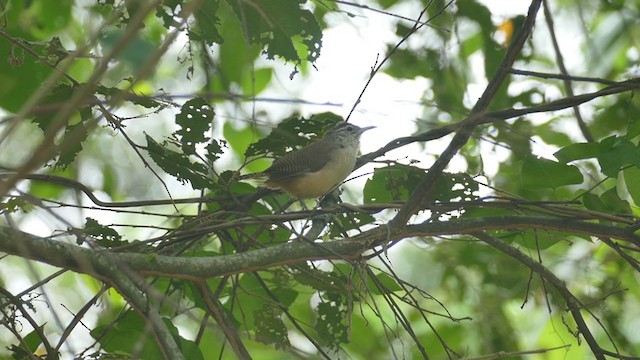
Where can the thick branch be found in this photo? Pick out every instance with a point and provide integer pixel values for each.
(89, 261)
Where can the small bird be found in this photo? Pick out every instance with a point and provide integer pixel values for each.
(318, 168)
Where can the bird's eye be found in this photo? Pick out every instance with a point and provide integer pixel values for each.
(350, 128)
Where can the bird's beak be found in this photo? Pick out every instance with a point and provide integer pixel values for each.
(363, 129)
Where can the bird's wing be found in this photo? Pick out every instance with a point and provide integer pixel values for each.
(305, 160)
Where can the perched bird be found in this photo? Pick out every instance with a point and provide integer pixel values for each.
(318, 168)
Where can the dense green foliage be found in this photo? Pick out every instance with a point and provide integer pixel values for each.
(502, 222)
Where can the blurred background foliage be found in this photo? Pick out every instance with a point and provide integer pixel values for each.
(146, 101)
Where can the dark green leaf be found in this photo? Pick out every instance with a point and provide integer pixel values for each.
(349, 221)
(52, 102)
(608, 202)
(543, 239)
(277, 24)
(613, 202)
(321, 280)
(190, 349)
(74, 136)
(103, 235)
(634, 129)
(195, 120)
(207, 28)
(214, 150)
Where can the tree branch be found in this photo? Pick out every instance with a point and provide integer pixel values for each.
(80, 259)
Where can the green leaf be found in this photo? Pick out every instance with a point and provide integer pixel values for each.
(577, 151)
(541, 239)
(632, 181)
(616, 153)
(54, 100)
(178, 165)
(397, 183)
(33, 340)
(207, 23)
(332, 318)
(14, 204)
(615, 204)
(103, 235)
(634, 129)
(348, 221)
(321, 280)
(238, 139)
(128, 335)
(195, 120)
(593, 202)
(254, 82)
(609, 202)
(276, 24)
(387, 282)
(190, 349)
(292, 133)
(538, 173)
(270, 328)
(74, 136)
(214, 150)
(22, 74)
(70, 143)
(137, 52)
